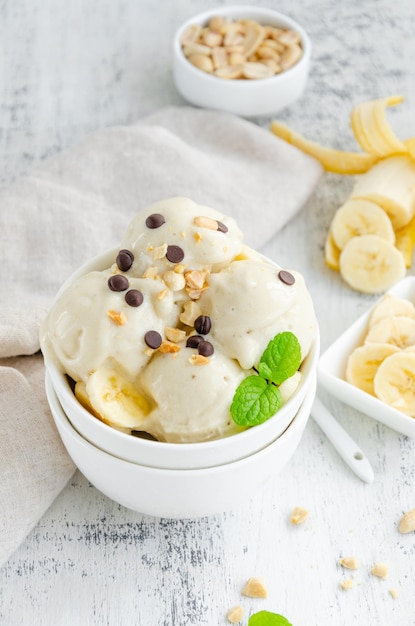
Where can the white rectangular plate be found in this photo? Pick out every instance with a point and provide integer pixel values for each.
(332, 367)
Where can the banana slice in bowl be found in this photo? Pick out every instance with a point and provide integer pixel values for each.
(371, 366)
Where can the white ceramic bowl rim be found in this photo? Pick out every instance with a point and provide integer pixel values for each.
(248, 11)
(61, 382)
(295, 425)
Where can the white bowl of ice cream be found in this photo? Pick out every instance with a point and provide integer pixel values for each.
(246, 73)
(180, 493)
(185, 275)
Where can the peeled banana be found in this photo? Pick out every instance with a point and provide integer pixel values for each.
(386, 181)
(390, 184)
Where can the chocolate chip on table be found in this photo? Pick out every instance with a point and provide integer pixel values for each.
(222, 228)
(203, 324)
(174, 254)
(124, 260)
(286, 277)
(133, 297)
(117, 282)
(155, 220)
(205, 348)
(193, 341)
(153, 339)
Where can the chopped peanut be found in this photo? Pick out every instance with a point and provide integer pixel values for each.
(255, 588)
(118, 317)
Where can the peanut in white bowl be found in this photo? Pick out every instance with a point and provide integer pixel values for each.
(173, 493)
(247, 98)
(178, 456)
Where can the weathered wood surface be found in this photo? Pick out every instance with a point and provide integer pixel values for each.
(68, 68)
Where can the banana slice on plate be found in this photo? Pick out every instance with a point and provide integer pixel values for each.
(391, 185)
(117, 400)
(370, 264)
(398, 331)
(394, 382)
(360, 217)
(363, 364)
(391, 306)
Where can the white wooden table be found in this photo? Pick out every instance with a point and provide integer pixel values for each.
(68, 68)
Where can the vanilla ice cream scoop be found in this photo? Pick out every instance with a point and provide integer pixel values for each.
(250, 302)
(93, 326)
(180, 231)
(192, 401)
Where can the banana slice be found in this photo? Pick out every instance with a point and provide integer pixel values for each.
(370, 264)
(117, 401)
(289, 385)
(360, 217)
(363, 364)
(371, 128)
(331, 252)
(391, 306)
(394, 382)
(390, 184)
(398, 331)
(332, 160)
(405, 241)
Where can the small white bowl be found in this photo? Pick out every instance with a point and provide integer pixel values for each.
(173, 455)
(332, 367)
(179, 493)
(248, 98)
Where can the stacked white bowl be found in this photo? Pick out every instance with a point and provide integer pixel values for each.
(177, 480)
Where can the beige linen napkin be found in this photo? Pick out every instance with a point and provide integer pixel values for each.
(78, 204)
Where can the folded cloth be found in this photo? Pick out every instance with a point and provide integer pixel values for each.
(76, 205)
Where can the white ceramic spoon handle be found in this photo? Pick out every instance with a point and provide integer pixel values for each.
(342, 442)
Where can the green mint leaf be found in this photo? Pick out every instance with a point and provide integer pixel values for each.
(255, 401)
(281, 358)
(265, 618)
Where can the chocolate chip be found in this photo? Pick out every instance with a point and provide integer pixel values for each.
(193, 341)
(124, 260)
(174, 254)
(155, 220)
(203, 324)
(143, 435)
(286, 277)
(133, 297)
(153, 339)
(222, 228)
(117, 282)
(205, 348)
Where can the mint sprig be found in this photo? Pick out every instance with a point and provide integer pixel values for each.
(257, 398)
(265, 618)
(281, 358)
